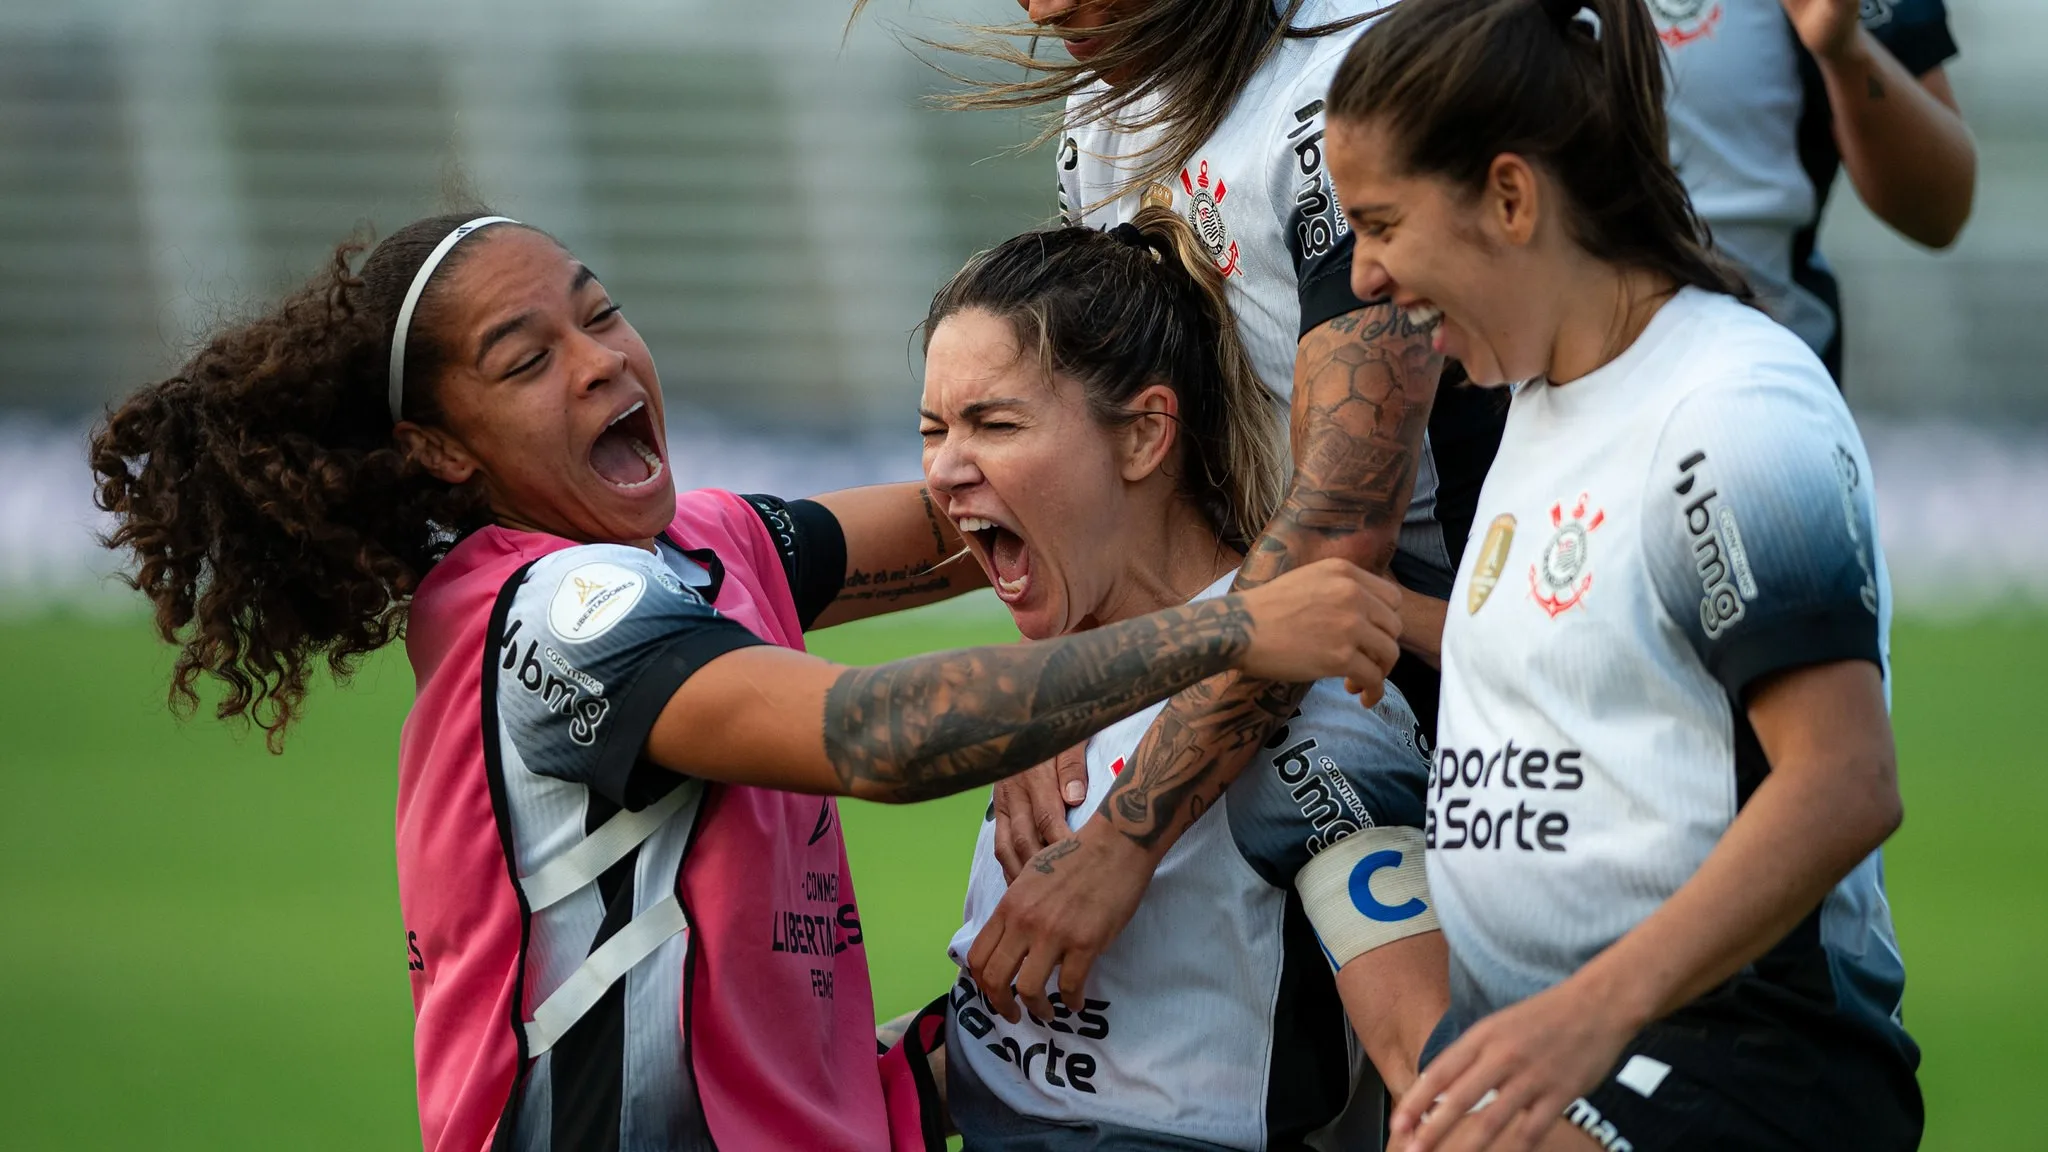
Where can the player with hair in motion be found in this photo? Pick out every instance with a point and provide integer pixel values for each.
(1085, 386)
(1666, 761)
(1214, 109)
(629, 919)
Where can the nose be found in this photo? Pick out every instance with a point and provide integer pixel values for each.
(1369, 279)
(1045, 11)
(950, 467)
(593, 363)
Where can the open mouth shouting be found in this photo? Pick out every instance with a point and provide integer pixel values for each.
(1003, 554)
(624, 454)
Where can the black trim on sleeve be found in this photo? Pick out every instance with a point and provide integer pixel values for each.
(1920, 45)
(617, 776)
(1819, 636)
(1326, 286)
(812, 545)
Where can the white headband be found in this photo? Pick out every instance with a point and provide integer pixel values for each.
(412, 299)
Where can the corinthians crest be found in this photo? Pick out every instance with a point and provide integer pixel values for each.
(1680, 22)
(1560, 576)
(1205, 215)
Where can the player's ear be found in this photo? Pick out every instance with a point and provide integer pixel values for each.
(1512, 200)
(1148, 438)
(443, 456)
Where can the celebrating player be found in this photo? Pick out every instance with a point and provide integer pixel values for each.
(1215, 109)
(626, 928)
(1666, 761)
(1084, 387)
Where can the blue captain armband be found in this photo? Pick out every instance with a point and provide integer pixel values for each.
(1367, 891)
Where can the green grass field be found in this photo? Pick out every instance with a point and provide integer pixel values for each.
(200, 944)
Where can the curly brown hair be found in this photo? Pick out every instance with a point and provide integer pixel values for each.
(272, 518)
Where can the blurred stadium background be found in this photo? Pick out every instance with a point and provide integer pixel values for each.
(199, 944)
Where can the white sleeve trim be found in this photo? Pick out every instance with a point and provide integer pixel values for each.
(1367, 891)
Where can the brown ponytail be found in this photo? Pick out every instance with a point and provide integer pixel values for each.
(1574, 86)
(1120, 311)
(272, 520)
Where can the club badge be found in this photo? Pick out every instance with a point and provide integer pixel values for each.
(1680, 22)
(1205, 215)
(1493, 556)
(1560, 576)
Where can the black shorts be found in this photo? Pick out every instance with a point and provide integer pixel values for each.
(1751, 1067)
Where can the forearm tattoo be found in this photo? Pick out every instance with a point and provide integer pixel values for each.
(1364, 383)
(925, 578)
(934, 725)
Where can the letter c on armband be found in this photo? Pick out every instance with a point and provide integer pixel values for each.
(1368, 904)
(1367, 891)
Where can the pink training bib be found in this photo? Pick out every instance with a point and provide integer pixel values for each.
(776, 1013)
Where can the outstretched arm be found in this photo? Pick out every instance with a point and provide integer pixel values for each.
(1364, 382)
(897, 552)
(933, 725)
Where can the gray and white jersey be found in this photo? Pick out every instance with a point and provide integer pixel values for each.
(1751, 137)
(1660, 534)
(1213, 1020)
(592, 642)
(1259, 195)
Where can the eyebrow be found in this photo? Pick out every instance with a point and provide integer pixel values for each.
(975, 410)
(1367, 209)
(499, 332)
(982, 407)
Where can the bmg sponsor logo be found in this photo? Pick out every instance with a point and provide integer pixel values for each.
(1529, 824)
(561, 687)
(1726, 583)
(1315, 783)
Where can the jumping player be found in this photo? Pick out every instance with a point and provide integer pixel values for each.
(629, 919)
(1083, 386)
(1666, 764)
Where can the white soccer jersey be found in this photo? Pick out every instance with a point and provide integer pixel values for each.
(1259, 196)
(1659, 535)
(1213, 1020)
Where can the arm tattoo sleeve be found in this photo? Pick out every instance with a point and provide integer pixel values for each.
(1364, 383)
(933, 725)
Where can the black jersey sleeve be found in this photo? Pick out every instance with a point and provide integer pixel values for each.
(592, 644)
(812, 545)
(1760, 529)
(1318, 239)
(1333, 770)
(1915, 31)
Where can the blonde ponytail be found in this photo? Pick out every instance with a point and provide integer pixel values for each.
(1250, 458)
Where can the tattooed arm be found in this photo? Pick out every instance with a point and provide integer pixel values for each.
(933, 725)
(897, 548)
(1364, 382)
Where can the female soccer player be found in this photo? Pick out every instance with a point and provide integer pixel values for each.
(1214, 108)
(627, 926)
(1084, 387)
(1666, 762)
